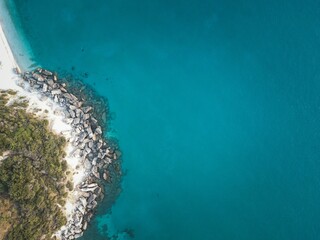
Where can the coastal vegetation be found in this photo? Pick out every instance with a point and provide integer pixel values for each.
(33, 181)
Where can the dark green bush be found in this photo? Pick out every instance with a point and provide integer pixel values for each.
(32, 176)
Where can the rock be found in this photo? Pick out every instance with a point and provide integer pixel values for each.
(107, 160)
(98, 130)
(99, 145)
(38, 77)
(91, 185)
(89, 131)
(79, 104)
(72, 114)
(76, 121)
(79, 113)
(56, 92)
(94, 169)
(87, 164)
(105, 176)
(67, 95)
(85, 224)
(46, 72)
(96, 174)
(94, 204)
(78, 235)
(98, 191)
(88, 150)
(88, 189)
(87, 109)
(81, 208)
(72, 107)
(50, 82)
(95, 121)
(73, 97)
(91, 198)
(86, 194)
(63, 89)
(86, 116)
(37, 86)
(94, 137)
(45, 88)
(43, 98)
(89, 216)
(83, 201)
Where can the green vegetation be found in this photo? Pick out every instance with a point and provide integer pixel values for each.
(7, 217)
(32, 175)
(69, 186)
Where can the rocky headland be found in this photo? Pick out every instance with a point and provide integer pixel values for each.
(89, 147)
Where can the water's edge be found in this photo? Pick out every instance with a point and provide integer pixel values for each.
(16, 36)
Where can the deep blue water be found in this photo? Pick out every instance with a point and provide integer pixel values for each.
(216, 105)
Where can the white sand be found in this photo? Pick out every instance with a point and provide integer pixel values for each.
(48, 109)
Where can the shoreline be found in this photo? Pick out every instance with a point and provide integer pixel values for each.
(19, 46)
(9, 79)
(88, 164)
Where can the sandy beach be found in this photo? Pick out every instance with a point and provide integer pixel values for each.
(9, 79)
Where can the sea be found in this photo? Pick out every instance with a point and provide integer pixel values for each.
(215, 105)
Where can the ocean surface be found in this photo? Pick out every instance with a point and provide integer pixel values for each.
(216, 105)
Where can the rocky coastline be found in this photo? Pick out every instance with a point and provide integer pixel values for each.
(89, 144)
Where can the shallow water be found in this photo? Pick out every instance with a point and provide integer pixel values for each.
(216, 106)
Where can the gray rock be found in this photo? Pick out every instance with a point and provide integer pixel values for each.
(98, 191)
(45, 88)
(67, 95)
(72, 114)
(86, 116)
(85, 224)
(83, 201)
(95, 121)
(73, 97)
(98, 130)
(99, 144)
(56, 92)
(63, 89)
(105, 176)
(38, 77)
(79, 113)
(46, 72)
(87, 164)
(50, 82)
(87, 109)
(94, 137)
(76, 121)
(94, 204)
(81, 209)
(78, 235)
(94, 169)
(89, 131)
(37, 86)
(88, 150)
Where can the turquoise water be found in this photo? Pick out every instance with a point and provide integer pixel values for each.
(216, 106)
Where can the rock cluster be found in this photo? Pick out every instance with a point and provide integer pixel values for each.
(89, 144)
